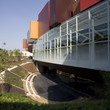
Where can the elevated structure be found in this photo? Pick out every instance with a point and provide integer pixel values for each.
(82, 41)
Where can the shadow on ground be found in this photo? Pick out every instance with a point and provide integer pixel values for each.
(51, 89)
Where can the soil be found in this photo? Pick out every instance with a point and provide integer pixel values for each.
(15, 62)
(30, 67)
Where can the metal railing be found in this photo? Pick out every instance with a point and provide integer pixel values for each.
(82, 41)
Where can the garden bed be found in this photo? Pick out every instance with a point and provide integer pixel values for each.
(11, 79)
(18, 71)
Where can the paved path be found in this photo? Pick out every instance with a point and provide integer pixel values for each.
(9, 69)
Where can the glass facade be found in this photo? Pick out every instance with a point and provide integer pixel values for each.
(83, 40)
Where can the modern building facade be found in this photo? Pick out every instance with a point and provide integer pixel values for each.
(76, 37)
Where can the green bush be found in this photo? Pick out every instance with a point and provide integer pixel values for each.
(106, 77)
(11, 54)
(3, 59)
(2, 67)
(18, 54)
(12, 101)
(14, 97)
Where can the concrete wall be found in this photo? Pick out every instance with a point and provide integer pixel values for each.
(5, 87)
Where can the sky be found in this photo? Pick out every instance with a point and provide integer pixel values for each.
(15, 17)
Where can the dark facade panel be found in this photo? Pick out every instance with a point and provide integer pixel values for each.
(30, 47)
(60, 11)
(52, 12)
(44, 19)
(76, 7)
(87, 3)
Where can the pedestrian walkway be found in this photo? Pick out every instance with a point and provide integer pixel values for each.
(9, 69)
(27, 83)
(29, 88)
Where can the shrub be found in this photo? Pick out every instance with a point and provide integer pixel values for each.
(13, 101)
(11, 54)
(3, 59)
(106, 77)
(18, 54)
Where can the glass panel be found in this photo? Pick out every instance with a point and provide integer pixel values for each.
(48, 45)
(101, 52)
(72, 25)
(63, 41)
(55, 53)
(52, 54)
(64, 53)
(73, 39)
(83, 52)
(101, 32)
(69, 56)
(68, 40)
(63, 29)
(73, 53)
(83, 36)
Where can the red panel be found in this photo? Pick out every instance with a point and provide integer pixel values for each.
(24, 43)
(87, 3)
(44, 19)
(60, 11)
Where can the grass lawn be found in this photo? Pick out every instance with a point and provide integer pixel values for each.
(11, 101)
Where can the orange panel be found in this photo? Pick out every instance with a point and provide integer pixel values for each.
(34, 30)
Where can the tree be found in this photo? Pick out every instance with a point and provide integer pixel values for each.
(11, 54)
(18, 55)
(3, 58)
(3, 44)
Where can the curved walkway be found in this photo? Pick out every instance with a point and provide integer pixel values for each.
(27, 84)
(9, 69)
(30, 90)
(45, 90)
